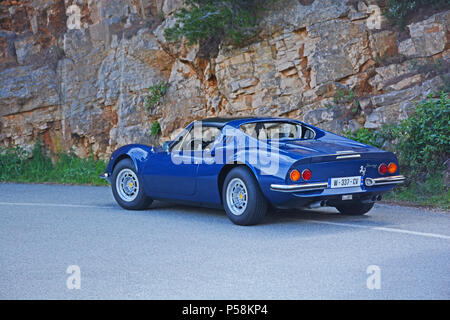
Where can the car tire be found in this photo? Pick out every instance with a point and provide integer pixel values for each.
(355, 208)
(242, 198)
(128, 188)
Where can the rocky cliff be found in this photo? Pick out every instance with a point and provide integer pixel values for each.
(76, 73)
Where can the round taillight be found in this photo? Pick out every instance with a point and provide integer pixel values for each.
(306, 174)
(392, 167)
(294, 175)
(382, 169)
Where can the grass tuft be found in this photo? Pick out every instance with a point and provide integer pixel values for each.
(18, 165)
(431, 192)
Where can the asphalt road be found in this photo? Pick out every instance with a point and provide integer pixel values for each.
(180, 252)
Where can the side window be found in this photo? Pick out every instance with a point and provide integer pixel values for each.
(250, 129)
(209, 135)
(182, 141)
(201, 139)
(308, 133)
(255, 130)
(283, 131)
(277, 130)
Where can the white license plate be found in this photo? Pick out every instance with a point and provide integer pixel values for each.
(345, 182)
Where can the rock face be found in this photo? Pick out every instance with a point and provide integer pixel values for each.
(76, 73)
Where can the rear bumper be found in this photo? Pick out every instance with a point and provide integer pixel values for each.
(384, 180)
(299, 187)
(369, 182)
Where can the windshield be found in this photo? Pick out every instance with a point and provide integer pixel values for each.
(277, 130)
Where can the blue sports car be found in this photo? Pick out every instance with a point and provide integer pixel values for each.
(246, 165)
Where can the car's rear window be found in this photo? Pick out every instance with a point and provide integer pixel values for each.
(277, 130)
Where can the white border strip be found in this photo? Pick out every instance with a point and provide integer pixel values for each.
(37, 204)
(394, 230)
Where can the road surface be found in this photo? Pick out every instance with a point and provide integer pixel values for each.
(54, 237)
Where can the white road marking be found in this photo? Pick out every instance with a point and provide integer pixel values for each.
(30, 204)
(417, 233)
(395, 230)
(341, 224)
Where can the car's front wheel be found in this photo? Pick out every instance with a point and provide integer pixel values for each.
(355, 208)
(127, 188)
(243, 200)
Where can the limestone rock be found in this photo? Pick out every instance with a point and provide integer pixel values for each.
(170, 6)
(395, 106)
(79, 79)
(26, 88)
(340, 49)
(383, 44)
(293, 15)
(428, 37)
(26, 48)
(184, 100)
(385, 78)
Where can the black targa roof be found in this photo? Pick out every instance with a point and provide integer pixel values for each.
(220, 122)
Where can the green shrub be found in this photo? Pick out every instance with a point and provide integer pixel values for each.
(424, 138)
(398, 10)
(155, 94)
(71, 169)
(347, 97)
(212, 21)
(422, 145)
(366, 136)
(343, 96)
(18, 165)
(155, 129)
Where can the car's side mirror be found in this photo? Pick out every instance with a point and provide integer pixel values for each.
(166, 145)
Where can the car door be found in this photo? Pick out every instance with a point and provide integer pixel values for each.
(171, 173)
(209, 166)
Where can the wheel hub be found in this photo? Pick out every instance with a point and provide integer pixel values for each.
(127, 185)
(237, 198)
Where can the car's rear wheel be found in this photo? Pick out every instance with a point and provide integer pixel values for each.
(127, 188)
(243, 200)
(355, 208)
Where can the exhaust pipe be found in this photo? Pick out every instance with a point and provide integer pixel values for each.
(318, 204)
(374, 198)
